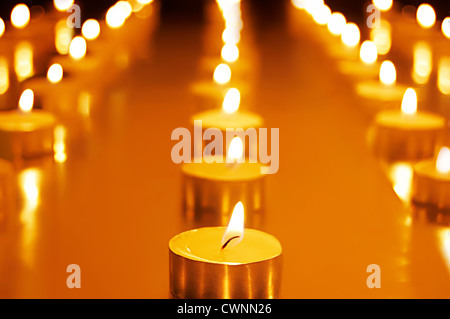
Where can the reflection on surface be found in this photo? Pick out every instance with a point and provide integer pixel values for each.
(29, 183)
(23, 61)
(444, 75)
(444, 236)
(4, 75)
(382, 37)
(59, 146)
(423, 62)
(401, 176)
(63, 37)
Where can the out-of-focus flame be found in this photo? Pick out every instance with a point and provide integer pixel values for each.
(235, 150)
(20, 16)
(383, 5)
(235, 230)
(444, 75)
(231, 35)
(446, 27)
(401, 175)
(91, 29)
(222, 73)
(423, 62)
(426, 16)
(62, 5)
(444, 238)
(351, 35)
(388, 73)
(312, 6)
(55, 73)
(443, 161)
(84, 103)
(231, 101)
(322, 15)
(230, 52)
(63, 37)
(382, 37)
(299, 4)
(144, 1)
(4, 75)
(23, 61)
(2, 27)
(118, 14)
(59, 145)
(336, 23)
(409, 102)
(26, 101)
(78, 48)
(368, 52)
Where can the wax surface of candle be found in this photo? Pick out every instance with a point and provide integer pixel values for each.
(221, 120)
(421, 120)
(16, 121)
(224, 171)
(204, 244)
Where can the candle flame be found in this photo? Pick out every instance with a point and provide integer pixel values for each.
(222, 73)
(91, 29)
(235, 230)
(118, 14)
(78, 47)
(20, 16)
(336, 23)
(62, 5)
(444, 75)
(2, 27)
(351, 35)
(235, 150)
(388, 73)
(55, 73)
(322, 15)
(26, 101)
(63, 37)
(446, 27)
(409, 102)
(231, 101)
(383, 5)
(368, 52)
(426, 16)
(443, 161)
(231, 35)
(23, 61)
(230, 52)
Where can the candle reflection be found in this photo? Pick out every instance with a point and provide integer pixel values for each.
(423, 62)
(401, 176)
(444, 75)
(23, 61)
(63, 37)
(444, 237)
(382, 37)
(59, 146)
(29, 182)
(4, 75)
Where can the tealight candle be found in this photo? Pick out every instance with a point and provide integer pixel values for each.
(384, 90)
(229, 117)
(366, 67)
(407, 134)
(209, 188)
(431, 183)
(26, 133)
(225, 262)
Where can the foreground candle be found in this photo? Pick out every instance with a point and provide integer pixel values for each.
(210, 188)
(431, 184)
(219, 262)
(407, 134)
(7, 198)
(26, 133)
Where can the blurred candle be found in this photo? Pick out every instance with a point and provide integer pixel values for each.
(4, 75)
(20, 16)
(406, 134)
(423, 62)
(426, 16)
(63, 37)
(444, 75)
(351, 35)
(225, 262)
(446, 27)
(26, 133)
(91, 29)
(366, 66)
(336, 23)
(383, 5)
(431, 186)
(62, 5)
(23, 61)
(382, 37)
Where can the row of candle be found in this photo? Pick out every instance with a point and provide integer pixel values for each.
(224, 262)
(404, 134)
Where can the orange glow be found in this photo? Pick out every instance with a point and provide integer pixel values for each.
(235, 230)
(322, 15)
(230, 52)
(235, 150)
(222, 73)
(2, 27)
(55, 73)
(231, 101)
(409, 102)
(63, 37)
(426, 16)
(444, 75)
(336, 23)
(401, 175)
(59, 145)
(383, 5)
(91, 29)
(78, 47)
(388, 73)
(351, 35)
(20, 16)
(4, 75)
(62, 5)
(446, 27)
(23, 61)
(423, 62)
(443, 161)
(382, 37)
(26, 101)
(231, 35)
(368, 52)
